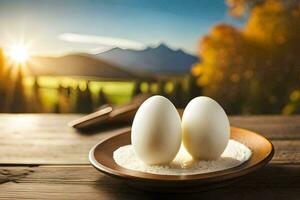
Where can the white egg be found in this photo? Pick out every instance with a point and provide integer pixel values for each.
(156, 131)
(205, 128)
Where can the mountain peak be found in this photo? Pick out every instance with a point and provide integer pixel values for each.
(160, 58)
(162, 46)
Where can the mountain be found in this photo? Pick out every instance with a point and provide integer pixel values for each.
(121, 64)
(77, 65)
(160, 59)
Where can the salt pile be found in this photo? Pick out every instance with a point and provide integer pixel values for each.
(235, 154)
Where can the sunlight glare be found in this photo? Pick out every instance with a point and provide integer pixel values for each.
(19, 53)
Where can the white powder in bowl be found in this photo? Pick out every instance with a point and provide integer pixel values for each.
(183, 164)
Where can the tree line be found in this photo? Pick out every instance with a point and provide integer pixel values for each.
(254, 69)
(18, 98)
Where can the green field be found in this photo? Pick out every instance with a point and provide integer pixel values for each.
(115, 92)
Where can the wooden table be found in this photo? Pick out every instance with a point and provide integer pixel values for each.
(42, 158)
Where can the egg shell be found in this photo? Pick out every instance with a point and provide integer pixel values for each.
(156, 131)
(205, 128)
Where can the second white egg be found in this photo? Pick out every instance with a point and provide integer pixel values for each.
(205, 128)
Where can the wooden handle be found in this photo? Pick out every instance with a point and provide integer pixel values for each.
(109, 114)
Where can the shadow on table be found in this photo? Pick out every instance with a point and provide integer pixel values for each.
(272, 182)
(102, 128)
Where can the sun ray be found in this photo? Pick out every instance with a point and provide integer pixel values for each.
(19, 53)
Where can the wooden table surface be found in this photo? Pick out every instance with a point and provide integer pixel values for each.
(42, 158)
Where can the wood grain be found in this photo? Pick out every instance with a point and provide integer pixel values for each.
(49, 150)
(272, 127)
(41, 139)
(47, 125)
(45, 139)
(83, 182)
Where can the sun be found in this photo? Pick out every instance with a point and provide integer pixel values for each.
(19, 53)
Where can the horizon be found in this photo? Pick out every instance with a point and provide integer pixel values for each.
(97, 53)
(59, 28)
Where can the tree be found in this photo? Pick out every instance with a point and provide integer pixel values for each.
(102, 100)
(253, 69)
(178, 95)
(17, 99)
(161, 90)
(3, 88)
(35, 101)
(88, 100)
(1, 64)
(79, 103)
(137, 88)
(193, 90)
(84, 101)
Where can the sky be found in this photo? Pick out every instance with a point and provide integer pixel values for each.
(64, 26)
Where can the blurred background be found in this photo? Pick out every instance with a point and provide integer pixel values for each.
(73, 56)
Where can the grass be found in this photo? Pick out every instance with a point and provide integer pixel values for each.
(116, 92)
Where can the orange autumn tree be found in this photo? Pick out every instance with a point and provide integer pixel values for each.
(254, 69)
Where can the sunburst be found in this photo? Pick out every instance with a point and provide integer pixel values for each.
(19, 54)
